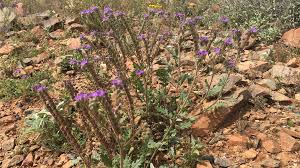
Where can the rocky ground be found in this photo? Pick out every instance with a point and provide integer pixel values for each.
(258, 127)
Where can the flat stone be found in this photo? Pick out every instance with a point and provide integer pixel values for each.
(6, 49)
(292, 38)
(250, 154)
(271, 163)
(7, 120)
(52, 24)
(15, 160)
(294, 62)
(41, 57)
(204, 164)
(268, 83)
(271, 146)
(237, 140)
(247, 66)
(201, 127)
(287, 75)
(8, 144)
(28, 161)
(223, 161)
(288, 143)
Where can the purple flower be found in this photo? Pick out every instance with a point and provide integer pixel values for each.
(81, 36)
(97, 93)
(179, 15)
(24, 76)
(39, 88)
(93, 33)
(146, 16)
(203, 39)
(83, 63)
(224, 19)
(198, 18)
(202, 53)
(107, 11)
(86, 12)
(117, 82)
(119, 13)
(142, 37)
(253, 30)
(139, 72)
(189, 22)
(231, 63)
(73, 61)
(81, 96)
(217, 50)
(17, 71)
(87, 47)
(94, 8)
(228, 41)
(236, 32)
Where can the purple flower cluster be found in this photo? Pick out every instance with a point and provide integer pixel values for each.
(39, 88)
(86, 96)
(224, 19)
(89, 11)
(117, 82)
(192, 21)
(86, 47)
(253, 30)
(202, 53)
(231, 63)
(139, 72)
(82, 62)
(142, 37)
(203, 39)
(179, 16)
(217, 50)
(107, 13)
(228, 42)
(146, 16)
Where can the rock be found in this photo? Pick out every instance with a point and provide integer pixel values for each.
(278, 97)
(294, 62)
(223, 161)
(69, 164)
(6, 49)
(8, 144)
(204, 164)
(52, 24)
(268, 83)
(57, 34)
(27, 61)
(271, 163)
(15, 160)
(250, 154)
(76, 26)
(38, 32)
(41, 58)
(72, 43)
(287, 75)
(18, 150)
(29, 20)
(63, 158)
(33, 148)
(28, 161)
(260, 66)
(292, 38)
(292, 133)
(297, 96)
(271, 146)
(217, 79)
(7, 120)
(285, 158)
(288, 143)
(70, 20)
(237, 140)
(201, 127)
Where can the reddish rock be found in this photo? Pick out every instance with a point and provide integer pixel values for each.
(7, 120)
(73, 43)
(271, 146)
(292, 38)
(28, 161)
(6, 49)
(37, 31)
(288, 143)
(287, 75)
(292, 133)
(294, 62)
(297, 96)
(8, 144)
(285, 158)
(204, 164)
(201, 127)
(271, 163)
(41, 57)
(250, 154)
(237, 140)
(261, 66)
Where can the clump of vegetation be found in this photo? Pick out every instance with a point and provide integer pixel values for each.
(140, 112)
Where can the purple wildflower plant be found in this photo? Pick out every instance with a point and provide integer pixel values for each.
(228, 42)
(81, 97)
(253, 30)
(231, 63)
(119, 13)
(107, 11)
(202, 53)
(97, 93)
(87, 47)
(236, 32)
(139, 72)
(217, 50)
(146, 16)
(73, 61)
(117, 82)
(17, 71)
(203, 39)
(142, 37)
(224, 19)
(83, 62)
(24, 77)
(81, 36)
(39, 88)
(179, 15)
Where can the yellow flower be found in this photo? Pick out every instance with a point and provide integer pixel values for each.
(155, 6)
